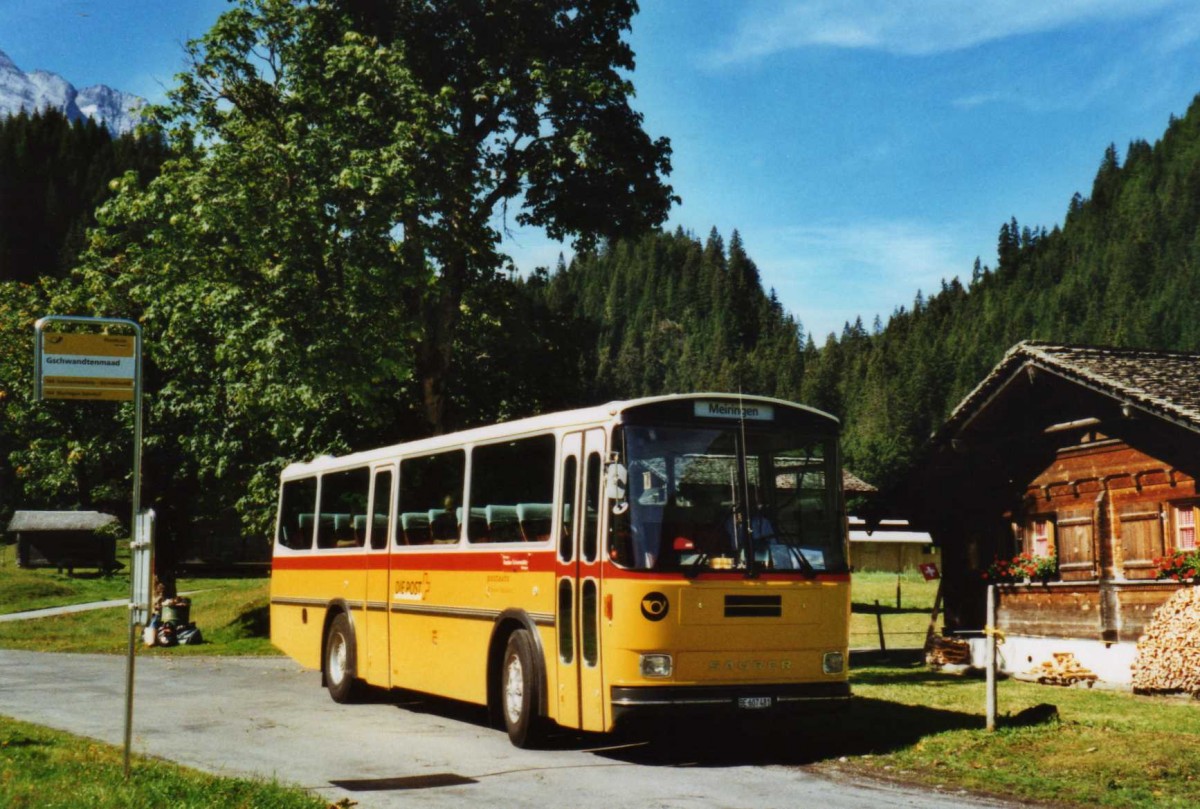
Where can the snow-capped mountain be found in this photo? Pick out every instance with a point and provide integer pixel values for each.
(38, 90)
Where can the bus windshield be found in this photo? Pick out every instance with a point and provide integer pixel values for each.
(728, 498)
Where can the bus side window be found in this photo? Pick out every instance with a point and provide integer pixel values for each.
(512, 489)
(566, 541)
(296, 513)
(343, 504)
(593, 481)
(431, 490)
(383, 506)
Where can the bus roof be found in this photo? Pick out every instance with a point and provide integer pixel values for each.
(585, 416)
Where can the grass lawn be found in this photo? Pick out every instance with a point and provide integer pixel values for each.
(1102, 748)
(232, 614)
(23, 589)
(904, 626)
(1105, 748)
(48, 769)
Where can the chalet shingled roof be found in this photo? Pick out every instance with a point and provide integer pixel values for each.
(29, 521)
(1163, 383)
(856, 485)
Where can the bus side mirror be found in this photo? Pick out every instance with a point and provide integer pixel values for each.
(616, 480)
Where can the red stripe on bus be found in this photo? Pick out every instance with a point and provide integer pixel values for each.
(613, 572)
(541, 562)
(495, 560)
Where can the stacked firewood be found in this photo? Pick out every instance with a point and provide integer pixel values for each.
(1168, 653)
(940, 651)
(1062, 669)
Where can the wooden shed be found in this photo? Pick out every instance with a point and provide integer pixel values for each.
(890, 546)
(1085, 458)
(64, 539)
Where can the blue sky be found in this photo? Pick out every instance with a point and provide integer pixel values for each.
(864, 149)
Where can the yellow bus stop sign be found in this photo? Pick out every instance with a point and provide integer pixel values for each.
(96, 367)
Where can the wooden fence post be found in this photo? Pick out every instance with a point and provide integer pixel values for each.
(879, 623)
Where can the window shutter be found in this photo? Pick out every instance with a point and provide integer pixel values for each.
(1141, 533)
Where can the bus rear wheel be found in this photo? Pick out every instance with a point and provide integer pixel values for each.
(520, 693)
(339, 661)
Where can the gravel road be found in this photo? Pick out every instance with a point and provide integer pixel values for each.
(268, 718)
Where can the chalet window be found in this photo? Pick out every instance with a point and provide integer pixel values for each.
(1040, 537)
(1183, 520)
(1141, 538)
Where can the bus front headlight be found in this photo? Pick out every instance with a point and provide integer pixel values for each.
(656, 665)
(833, 663)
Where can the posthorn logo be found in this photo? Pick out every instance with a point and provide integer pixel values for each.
(655, 606)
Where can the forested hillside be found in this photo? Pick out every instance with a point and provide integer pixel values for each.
(53, 174)
(668, 314)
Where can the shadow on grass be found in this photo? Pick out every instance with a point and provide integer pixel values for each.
(883, 609)
(254, 622)
(22, 741)
(899, 667)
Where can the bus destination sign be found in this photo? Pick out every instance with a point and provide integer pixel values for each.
(732, 410)
(97, 367)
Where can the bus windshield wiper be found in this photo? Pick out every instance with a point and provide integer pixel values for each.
(805, 566)
(694, 568)
(796, 553)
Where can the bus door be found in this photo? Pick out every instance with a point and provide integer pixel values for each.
(580, 681)
(373, 635)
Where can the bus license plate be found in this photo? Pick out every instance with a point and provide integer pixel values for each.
(754, 703)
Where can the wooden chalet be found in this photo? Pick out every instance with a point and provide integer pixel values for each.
(1087, 455)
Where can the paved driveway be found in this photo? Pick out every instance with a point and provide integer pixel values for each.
(268, 718)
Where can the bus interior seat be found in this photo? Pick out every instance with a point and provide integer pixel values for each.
(502, 524)
(443, 527)
(303, 535)
(326, 529)
(343, 530)
(478, 528)
(415, 527)
(534, 519)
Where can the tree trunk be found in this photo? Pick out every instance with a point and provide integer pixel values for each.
(441, 314)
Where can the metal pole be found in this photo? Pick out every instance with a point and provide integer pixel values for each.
(134, 524)
(990, 658)
(136, 495)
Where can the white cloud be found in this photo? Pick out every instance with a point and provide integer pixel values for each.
(1182, 33)
(1077, 90)
(981, 100)
(830, 273)
(913, 27)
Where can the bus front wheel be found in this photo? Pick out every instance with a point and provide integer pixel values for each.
(519, 691)
(339, 661)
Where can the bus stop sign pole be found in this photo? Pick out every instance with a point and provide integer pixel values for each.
(104, 367)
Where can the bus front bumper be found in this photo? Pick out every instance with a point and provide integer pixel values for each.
(636, 702)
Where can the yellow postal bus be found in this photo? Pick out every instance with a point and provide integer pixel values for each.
(665, 556)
